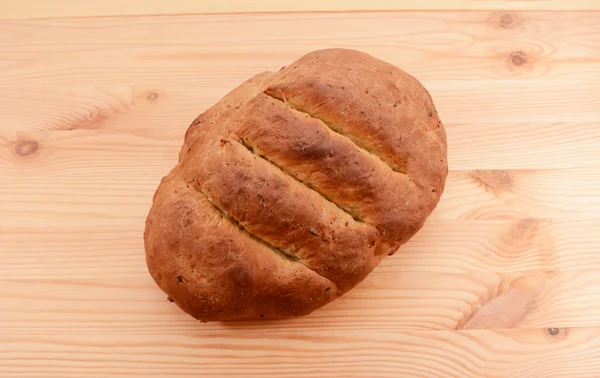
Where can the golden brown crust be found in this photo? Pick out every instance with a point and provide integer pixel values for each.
(292, 188)
(378, 106)
(356, 180)
(214, 271)
(283, 212)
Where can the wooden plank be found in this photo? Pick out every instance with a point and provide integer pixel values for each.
(442, 246)
(384, 301)
(389, 353)
(490, 125)
(211, 51)
(109, 178)
(87, 8)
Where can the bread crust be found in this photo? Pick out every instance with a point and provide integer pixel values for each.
(292, 188)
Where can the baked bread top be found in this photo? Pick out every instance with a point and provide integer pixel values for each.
(292, 188)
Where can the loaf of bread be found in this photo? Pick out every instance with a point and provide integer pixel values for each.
(292, 188)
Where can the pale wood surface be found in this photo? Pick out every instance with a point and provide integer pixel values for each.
(503, 281)
(93, 8)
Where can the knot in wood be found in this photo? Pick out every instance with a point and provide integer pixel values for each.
(27, 147)
(152, 96)
(518, 58)
(507, 20)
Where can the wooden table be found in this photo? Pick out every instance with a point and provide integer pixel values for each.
(503, 281)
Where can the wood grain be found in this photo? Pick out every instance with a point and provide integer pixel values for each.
(384, 301)
(442, 246)
(503, 280)
(550, 353)
(89, 174)
(209, 50)
(89, 8)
